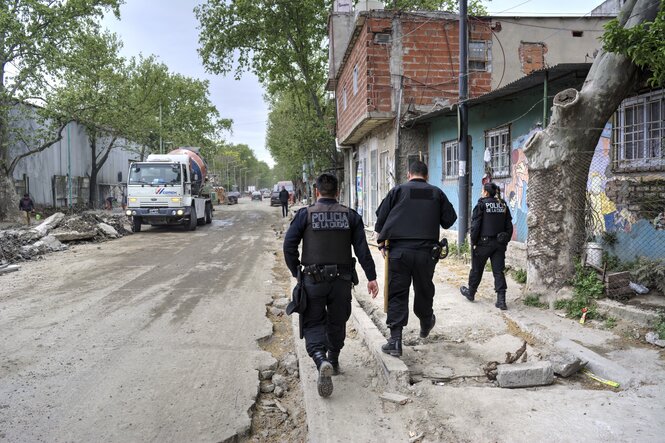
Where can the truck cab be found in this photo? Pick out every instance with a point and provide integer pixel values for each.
(164, 190)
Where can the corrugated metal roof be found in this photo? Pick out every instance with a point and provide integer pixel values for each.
(532, 80)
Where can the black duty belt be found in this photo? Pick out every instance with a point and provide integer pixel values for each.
(321, 273)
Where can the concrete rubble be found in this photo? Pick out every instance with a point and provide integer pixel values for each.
(21, 243)
(652, 337)
(524, 375)
(565, 365)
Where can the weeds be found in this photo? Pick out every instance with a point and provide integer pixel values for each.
(660, 326)
(650, 273)
(454, 248)
(533, 300)
(610, 323)
(587, 288)
(519, 275)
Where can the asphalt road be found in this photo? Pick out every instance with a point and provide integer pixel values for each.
(152, 337)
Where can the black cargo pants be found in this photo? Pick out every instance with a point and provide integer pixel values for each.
(488, 248)
(407, 265)
(328, 310)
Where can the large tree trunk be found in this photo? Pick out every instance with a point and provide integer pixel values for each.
(559, 158)
(94, 169)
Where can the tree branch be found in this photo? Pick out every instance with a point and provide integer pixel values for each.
(41, 148)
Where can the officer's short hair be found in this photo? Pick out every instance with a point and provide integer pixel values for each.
(418, 168)
(326, 183)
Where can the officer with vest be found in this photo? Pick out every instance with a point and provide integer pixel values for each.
(328, 230)
(409, 219)
(491, 230)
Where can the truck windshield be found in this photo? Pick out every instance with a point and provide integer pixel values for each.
(150, 174)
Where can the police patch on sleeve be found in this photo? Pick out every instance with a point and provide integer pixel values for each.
(325, 221)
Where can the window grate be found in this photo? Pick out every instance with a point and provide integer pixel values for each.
(450, 153)
(498, 143)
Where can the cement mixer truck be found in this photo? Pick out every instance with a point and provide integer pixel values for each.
(167, 189)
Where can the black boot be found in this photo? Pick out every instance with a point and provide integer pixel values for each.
(426, 328)
(394, 345)
(501, 301)
(324, 383)
(470, 295)
(333, 358)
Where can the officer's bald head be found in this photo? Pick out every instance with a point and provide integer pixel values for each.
(418, 169)
(326, 184)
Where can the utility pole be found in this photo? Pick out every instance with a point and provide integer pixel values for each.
(463, 142)
(161, 146)
(69, 166)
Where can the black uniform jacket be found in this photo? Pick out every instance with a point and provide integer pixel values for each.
(478, 217)
(297, 229)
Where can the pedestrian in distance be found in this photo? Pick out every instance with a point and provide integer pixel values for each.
(284, 200)
(27, 206)
(491, 230)
(328, 231)
(408, 221)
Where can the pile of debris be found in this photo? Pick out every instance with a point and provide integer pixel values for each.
(53, 234)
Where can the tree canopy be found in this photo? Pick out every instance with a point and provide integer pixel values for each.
(644, 44)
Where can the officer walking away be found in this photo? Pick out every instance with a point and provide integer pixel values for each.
(328, 230)
(284, 200)
(491, 230)
(27, 206)
(409, 218)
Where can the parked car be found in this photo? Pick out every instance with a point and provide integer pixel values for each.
(265, 193)
(232, 197)
(256, 195)
(274, 199)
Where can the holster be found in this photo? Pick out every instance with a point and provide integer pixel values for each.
(503, 238)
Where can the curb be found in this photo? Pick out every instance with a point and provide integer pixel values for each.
(597, 364)
(395, 372)
(633, 314)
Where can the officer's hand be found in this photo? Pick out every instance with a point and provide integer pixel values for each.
(373, 288)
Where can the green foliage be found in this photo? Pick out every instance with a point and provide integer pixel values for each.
(519, 275)
(534, 301)
(660, 326)
(611, 262)
(610, 323)
(587, 287)
(561, 304)
(650, 273)
(455, 250)
(642, 43)
(609, 238)
(475, 7)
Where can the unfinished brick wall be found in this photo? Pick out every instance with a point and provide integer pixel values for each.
(532, 56)
(429, 64)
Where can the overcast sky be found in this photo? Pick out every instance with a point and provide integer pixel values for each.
(168, 29)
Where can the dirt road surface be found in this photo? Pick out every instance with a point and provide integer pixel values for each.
(152, 337)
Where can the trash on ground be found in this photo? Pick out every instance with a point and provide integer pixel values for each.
(600, 379)
(653, 338)
(640, 289)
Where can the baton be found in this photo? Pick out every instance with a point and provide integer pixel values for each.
(386, 277)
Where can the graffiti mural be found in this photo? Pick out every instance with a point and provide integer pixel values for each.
(517, 185)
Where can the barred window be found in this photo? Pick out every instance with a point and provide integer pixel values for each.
(639, 132)
(498, 143)
(479, 55)
(449, 154)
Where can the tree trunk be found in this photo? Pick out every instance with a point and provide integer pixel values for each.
(8, 198)
(94, 169)
(559, 158)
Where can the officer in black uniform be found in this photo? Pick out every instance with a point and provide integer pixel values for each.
(328, 231)
(491, 230)
(409, 217)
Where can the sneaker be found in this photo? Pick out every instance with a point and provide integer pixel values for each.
(424, 332)
(393, 347)
(324, 383)
(467, 293)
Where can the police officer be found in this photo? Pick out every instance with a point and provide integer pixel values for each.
(409, 217)
(491, 230)
(328, 231)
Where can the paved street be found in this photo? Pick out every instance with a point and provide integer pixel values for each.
(148, 338)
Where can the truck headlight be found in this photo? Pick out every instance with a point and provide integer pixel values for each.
(128, 212)
(180, 212)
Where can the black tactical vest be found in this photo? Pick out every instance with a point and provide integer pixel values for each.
(494, 216)
(416, 215)
(327, 237)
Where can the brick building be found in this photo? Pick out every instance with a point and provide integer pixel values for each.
(387, 67)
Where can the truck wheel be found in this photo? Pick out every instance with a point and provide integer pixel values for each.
(136, 224)
(208, 214)
(192, 219)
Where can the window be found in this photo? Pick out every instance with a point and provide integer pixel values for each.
(449, 154)
(639, 132)
(479, 55)
(344, 98)
(498, 143)
(355, 80)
